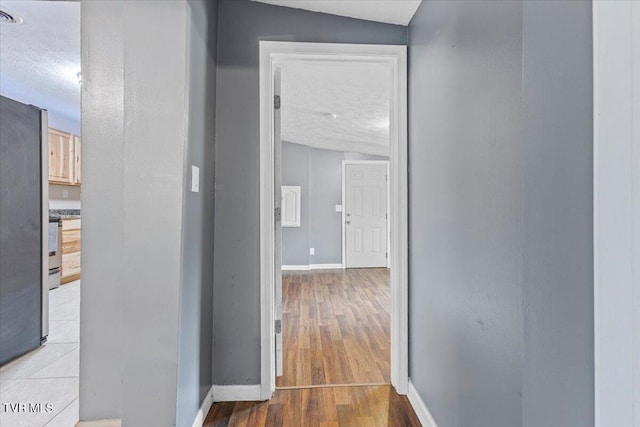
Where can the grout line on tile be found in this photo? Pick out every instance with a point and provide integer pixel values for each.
(49, 378)
(17, 381)
(39, 348)
(60, 412)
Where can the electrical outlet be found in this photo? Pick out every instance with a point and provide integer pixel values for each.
(312, 251)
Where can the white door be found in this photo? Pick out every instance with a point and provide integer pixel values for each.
(366, 215)
(278, 220)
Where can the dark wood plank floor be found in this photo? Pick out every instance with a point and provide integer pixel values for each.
(336, 327)
(336, 332)
(360, 406)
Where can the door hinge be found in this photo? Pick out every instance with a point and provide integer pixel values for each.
(278, 326)
(276, 102)
(386, 255)
(278, 214)
(386, 177)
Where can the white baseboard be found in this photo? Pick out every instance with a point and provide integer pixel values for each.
(100, 423)
(204, 409)
(325, 266)
(296, 267)
(236, 393)
(420, 408)
(311, 267)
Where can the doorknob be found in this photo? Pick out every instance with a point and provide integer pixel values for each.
(348, 214)
(348, 222)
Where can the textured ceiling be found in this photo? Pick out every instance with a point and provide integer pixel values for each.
(337, 106)
(39, 59)
(390, 11)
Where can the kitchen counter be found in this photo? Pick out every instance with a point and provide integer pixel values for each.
(64, 213)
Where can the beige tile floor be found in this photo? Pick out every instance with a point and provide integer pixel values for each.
(50, 373)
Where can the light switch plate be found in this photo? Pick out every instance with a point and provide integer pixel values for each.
(195, 179)
(338, 208)
(312, 251)
(65, 194)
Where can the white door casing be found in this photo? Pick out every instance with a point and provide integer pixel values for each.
(365, 214)
(272, 55)
(616, 193)
(277, 197)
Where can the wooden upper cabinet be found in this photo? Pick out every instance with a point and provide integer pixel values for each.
(60, 157)
(64, 158)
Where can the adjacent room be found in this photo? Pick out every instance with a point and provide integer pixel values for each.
(335, 282)
(40, 211)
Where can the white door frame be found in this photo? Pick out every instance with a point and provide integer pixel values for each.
(616, 68)
(272, 53)
(344, 200)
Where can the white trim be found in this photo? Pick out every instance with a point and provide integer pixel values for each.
(267, 232)
(312, 267)
(325, 266)
(205, 407)
(271, 54)
(616, 198)
(344, 199)
(236, 393)
(306, 267)
(100, 423)
(420, 408)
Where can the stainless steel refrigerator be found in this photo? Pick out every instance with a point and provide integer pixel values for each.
(24, 219)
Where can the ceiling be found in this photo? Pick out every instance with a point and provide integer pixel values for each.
(333, 106)
(39, 59)
(397, 12)
(342, 107)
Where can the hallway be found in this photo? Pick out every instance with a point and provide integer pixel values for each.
(493, 248)
(336, 356)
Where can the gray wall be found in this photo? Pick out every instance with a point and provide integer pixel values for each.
(195, 351)
(134, 126)
(57, 199)
(236, 278)
(465, 154)
(295, 171)
(102, 302)
(558, 214)
(500, 212)
(319, 173)
(63, 123)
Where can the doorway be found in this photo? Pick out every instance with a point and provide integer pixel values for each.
(272, 56)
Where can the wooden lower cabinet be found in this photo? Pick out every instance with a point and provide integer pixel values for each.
(71, 245)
